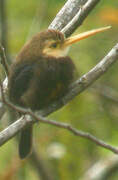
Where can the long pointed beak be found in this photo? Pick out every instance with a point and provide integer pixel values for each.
(84, 35)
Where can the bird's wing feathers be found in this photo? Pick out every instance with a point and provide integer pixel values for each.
(20, 81)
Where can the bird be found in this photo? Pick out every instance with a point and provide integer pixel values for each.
(41, 74)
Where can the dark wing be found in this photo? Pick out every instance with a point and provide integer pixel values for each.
(19, 81)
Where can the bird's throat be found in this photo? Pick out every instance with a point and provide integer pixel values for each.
(57, 53)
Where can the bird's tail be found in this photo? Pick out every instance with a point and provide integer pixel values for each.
(25, 145)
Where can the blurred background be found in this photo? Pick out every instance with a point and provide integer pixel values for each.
(62, 155)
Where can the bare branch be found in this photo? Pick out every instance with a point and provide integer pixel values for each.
(72, 23)
(86, 80)
(79, 17)
(65, 15)
(103, 169)
(2, 110)
(3, 60)
(4, 25)
(14, 128)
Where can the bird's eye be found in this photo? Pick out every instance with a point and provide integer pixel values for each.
(54, 45)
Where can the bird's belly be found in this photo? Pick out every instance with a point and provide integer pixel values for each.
(37, 98)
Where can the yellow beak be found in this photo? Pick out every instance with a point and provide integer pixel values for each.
(84, 35)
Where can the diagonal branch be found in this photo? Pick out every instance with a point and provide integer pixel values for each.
(77, 88)
(65, 15)
(86, 80)
(102, 169)
(79, 17)
(4, 60)
(14, 128)
(72, 15)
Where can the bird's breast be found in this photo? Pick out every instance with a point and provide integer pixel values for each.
(38, 83)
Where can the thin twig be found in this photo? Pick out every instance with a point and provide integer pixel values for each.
(4, 60)
(14, 128)
(4, 25)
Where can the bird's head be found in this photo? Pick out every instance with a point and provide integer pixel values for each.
(53, 43)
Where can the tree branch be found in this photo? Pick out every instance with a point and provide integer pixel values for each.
(4, 25)
(65, 15)
(72, 15)
(79, 17)
(86, 80)
(3, 60)
(103, 169)
(14, 128)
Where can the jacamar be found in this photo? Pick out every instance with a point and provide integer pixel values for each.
(41, 74)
